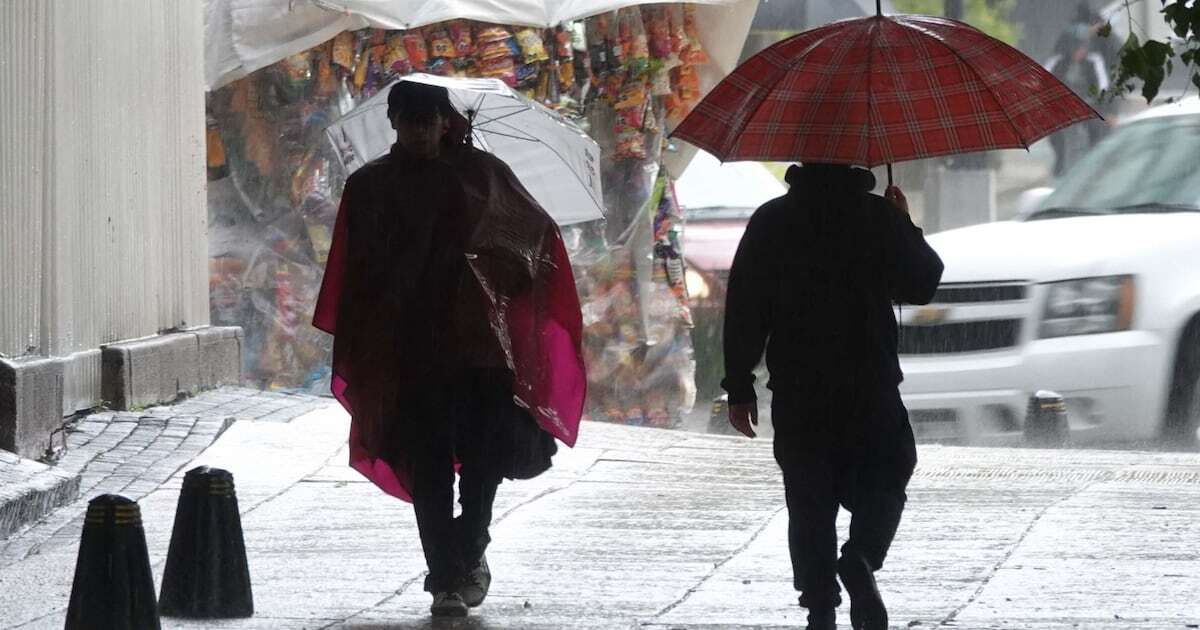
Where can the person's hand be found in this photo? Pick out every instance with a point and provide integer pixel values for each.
(896, 196)
(742, 415)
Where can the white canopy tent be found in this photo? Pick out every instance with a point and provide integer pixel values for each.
(242, 36)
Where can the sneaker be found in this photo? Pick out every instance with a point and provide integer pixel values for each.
(822, 619)
(866, 606)
(448, 604)
(476, 583)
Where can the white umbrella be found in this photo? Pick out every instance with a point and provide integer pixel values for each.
(556, 161)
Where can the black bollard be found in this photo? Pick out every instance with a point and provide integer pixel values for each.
(206, 575)
(1046, 420)
(113, 587)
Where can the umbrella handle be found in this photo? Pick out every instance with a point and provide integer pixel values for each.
(889, 169)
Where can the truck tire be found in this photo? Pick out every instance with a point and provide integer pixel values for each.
(1183, 412)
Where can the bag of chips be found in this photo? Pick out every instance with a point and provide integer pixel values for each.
(395, 57)
(531, 45)
(460, 34)
(631, 34)
(694, 51)
(418, 54)
(343, 50)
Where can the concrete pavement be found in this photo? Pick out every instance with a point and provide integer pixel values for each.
(663, 530)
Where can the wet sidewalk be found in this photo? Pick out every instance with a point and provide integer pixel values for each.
(645, 528)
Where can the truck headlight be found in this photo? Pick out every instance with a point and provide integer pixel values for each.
(1088, 306)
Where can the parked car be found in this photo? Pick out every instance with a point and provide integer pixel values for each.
(718, 200)
(1093, 293)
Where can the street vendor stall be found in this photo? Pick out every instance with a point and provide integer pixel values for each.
(283, 74)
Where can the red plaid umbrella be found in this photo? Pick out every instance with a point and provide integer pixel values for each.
(879, 90)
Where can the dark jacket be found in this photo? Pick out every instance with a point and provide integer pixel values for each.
(814, 280)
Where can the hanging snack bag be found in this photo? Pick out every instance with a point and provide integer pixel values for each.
(440, 66)
(631, 145)
(532, 48)
(658, 31)
(562, 44)
(499, 68)
(343, 50)
(460, 34)
(688, 84)
(632, 37)
(395, 57)
(566, 75)
(526, 74)
(440, 44)
(597, 34)
(676, 109)
(694, 53)
(492, 43)
(660, 78)
(361, 65)
(418, 54)
(326, 84)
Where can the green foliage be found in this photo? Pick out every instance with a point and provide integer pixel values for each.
(1151, 62)
(989, 16)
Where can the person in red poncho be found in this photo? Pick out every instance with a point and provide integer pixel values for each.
(456, 333)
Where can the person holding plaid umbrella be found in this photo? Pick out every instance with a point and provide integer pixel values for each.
(818, 270)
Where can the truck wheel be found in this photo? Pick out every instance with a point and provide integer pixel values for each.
(1183, 415)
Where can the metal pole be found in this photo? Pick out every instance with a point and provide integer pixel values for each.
(878, 8)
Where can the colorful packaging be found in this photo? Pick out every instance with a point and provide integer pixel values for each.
(694, 53)
(678, 34)
(343, 50)
(326, 83)
(526, 74)
(418, 54)
(499, 68)
(687, 84)
(439, 66)
(658, 31)
(395, 57)
(361, 65)
(631, 33)
(660, 80)
(562, 44)
(441, 45)
(460, 34)
(531, 46)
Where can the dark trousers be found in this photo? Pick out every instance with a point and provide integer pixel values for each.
(840, 447)
(452, 420)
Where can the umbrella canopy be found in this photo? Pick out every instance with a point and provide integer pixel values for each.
(552, 157)
(878, 90)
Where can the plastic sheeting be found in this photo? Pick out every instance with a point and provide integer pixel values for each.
(626, 77)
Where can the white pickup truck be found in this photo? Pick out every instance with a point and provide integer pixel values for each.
(1094, 293)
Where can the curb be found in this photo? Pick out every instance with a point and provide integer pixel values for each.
(30, 490)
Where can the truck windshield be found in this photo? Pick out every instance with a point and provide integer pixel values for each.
(1147, 166)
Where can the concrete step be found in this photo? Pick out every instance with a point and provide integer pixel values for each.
(29, 490)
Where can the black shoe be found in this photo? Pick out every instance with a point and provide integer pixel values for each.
(866, 606)
(476, 583)
(448, 604)
(822, 619)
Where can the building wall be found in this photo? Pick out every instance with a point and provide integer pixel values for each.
(102, 192)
